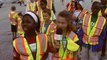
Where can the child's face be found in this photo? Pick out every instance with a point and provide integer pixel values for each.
(61, 22)
(46, 16)
(28, 24)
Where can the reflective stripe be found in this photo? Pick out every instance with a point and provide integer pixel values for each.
(99, 26)
(40, 44)
(72, 35)
(82, 13)
(43, 42)
(21, 48)
(16, 46)
(51, 28)
(86, 23)
(20, 45)
(92, 36)
(85, 39)
(94, 39)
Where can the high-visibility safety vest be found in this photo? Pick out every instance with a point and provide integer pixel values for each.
(20, 30)
(22, 47)
(50, 28)
(70, 8)
(63, 55)
(13, 18)
(91, 36)
(49, 4)
(40, 14)
(83, 12)
(33, 6)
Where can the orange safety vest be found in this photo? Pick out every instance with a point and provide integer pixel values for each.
(33, 6)
(70, 8)
(22, 47)
(50, 28)
(13, 18)
(61, 55)
(40, 14)
(91, 36)
(81, 15)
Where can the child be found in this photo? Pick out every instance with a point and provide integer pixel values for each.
(71, 6)
(13, 20)
(76, 13)
(40, 12)
(92, 34)
(63, 39)
(45, 26)
(32, 45)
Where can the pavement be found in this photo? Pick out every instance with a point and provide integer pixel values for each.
(5, 33)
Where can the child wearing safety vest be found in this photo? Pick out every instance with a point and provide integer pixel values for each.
(71, 6)
(13, 20)
(40, 12)
(33, 6)
(92, 34)
(76, 13)
(47, 23)
(62, 39)
(33, 45)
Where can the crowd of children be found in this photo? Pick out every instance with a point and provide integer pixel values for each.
(74, 34)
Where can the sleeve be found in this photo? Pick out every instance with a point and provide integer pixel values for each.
(101, 39)
(16, 56)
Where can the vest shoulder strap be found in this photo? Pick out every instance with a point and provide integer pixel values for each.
(73, 36)
(42, 41)
(86, 19)
(19, 45)
(102, 22)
